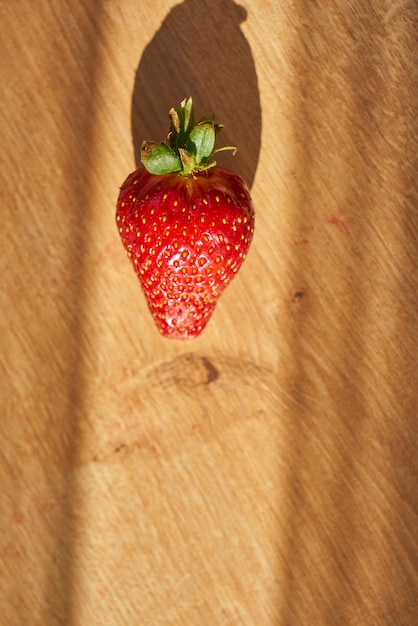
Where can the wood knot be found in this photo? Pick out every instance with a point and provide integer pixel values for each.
(298, 296)
(187, 370)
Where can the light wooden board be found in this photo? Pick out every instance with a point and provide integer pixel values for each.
(265, 474)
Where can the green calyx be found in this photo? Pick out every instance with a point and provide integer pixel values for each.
(189, 147)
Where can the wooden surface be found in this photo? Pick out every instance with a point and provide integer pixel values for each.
(265, 474)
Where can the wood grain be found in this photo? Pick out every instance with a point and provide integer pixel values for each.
(265, 474)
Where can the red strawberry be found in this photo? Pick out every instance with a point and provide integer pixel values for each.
(186, 224)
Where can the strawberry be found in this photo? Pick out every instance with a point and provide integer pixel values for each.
(186, 224)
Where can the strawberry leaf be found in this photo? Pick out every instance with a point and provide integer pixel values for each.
(181, 123)
(188, 148)
(186, 115)
(159, 159)
(201, 141)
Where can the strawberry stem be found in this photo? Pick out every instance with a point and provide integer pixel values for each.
(189, 147)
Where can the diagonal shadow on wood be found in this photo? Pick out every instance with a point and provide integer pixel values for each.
(201, 51)
(46, 302)
(351, 459)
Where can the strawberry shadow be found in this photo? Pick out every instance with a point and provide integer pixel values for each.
(200, 51)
